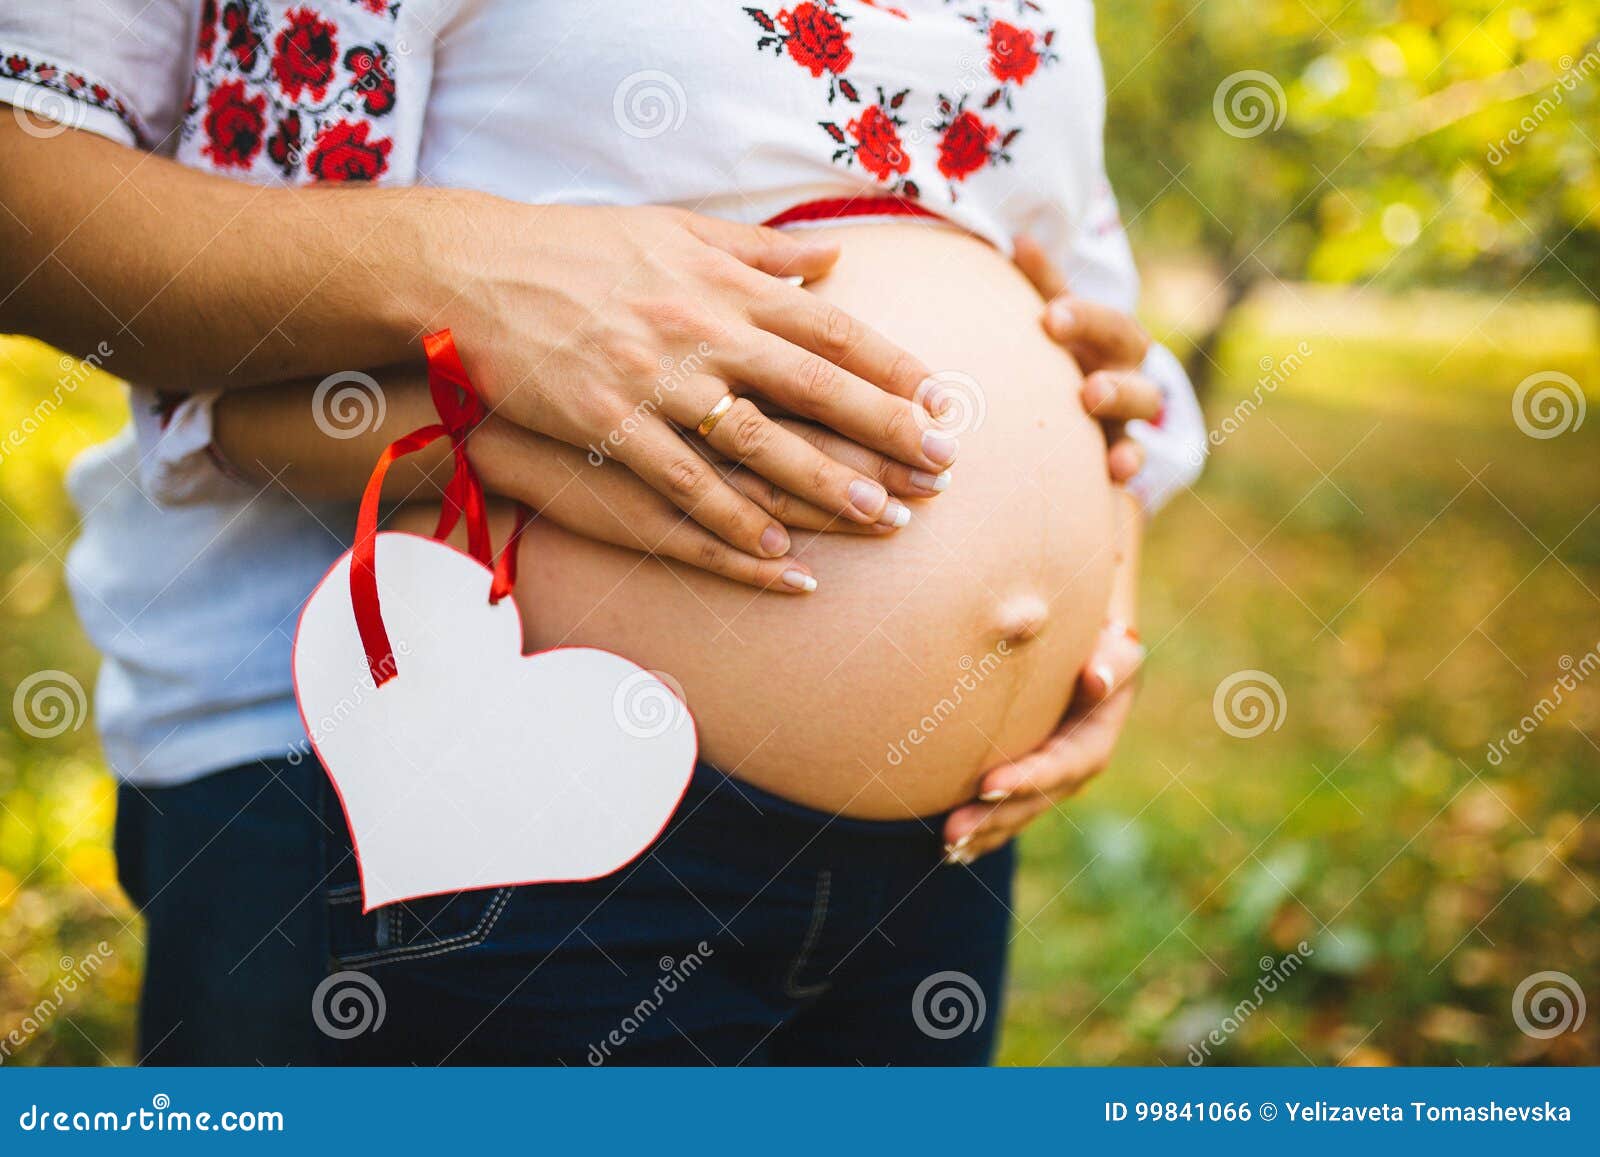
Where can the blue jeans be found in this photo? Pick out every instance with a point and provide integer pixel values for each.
(753, 931)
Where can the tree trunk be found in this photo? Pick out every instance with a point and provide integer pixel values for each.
(1201, 361)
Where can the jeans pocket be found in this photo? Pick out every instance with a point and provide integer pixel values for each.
(409, 930)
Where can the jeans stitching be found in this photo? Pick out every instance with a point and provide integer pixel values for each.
(819, 914)
(469, 939)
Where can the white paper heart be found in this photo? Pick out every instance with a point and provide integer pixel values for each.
(477, 766)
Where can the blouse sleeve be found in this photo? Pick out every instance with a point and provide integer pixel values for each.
(1099, 265)
(117, 68)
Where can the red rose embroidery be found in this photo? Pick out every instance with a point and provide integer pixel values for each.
(16, 65)
(817, 40)
(343, 153)
(964, 146)
(376, 7)
(283, 147)
(303, 55)
(373, 80)
(243, 42)
(234, 125)
(878, 146)
(208, 29)
(1012, 55)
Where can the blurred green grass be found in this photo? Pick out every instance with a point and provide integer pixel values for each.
(1378, 536)
(1381, 538)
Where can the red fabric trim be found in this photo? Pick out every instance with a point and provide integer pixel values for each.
(833, 208)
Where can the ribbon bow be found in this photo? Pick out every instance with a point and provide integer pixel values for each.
(460, 410)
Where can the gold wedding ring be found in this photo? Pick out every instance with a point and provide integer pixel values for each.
(709, 422)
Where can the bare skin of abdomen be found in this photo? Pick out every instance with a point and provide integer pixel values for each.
(924, 657)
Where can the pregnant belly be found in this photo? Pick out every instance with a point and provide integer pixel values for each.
(926, 657)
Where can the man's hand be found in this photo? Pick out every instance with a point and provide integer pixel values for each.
(1013, 795)
(614, 330)
(1110, 348)
(617, 330)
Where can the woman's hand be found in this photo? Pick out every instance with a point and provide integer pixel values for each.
(607, 502)
(1013, 795)
(1110, 348)
(618, 329)
(272, 437)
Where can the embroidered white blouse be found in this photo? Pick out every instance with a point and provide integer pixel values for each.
(987, 112)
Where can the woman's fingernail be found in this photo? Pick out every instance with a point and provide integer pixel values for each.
(937, 483)
(953, 858)
(1102, 672)
(1140, 652)
(963, 841)
(993, 795)
(940, 447)
(799, 580)
(1060, 315)
(868, 498)
(895, 515)
(1101, 389)
(775, 541)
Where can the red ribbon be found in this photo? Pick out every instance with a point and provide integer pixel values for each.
(460, 410)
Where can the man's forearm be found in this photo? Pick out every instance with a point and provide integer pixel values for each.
(195, 280)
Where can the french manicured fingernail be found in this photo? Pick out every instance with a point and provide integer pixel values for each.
(994, 794)
(1060, 316)
(1141, 652)
(937, 483)
(895, 515)
(795, 280)
(940, 447)
(954, 857)
(868, 498)
(775, 541)
(1102, 672)
(799, 580)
